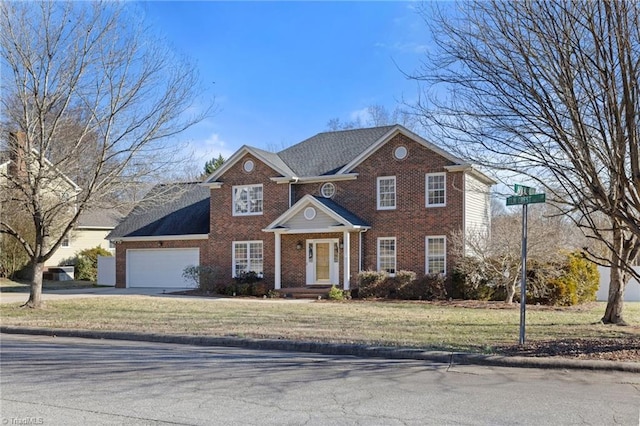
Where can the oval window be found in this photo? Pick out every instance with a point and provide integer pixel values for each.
(309, 213)
(328, 190)
(400, 153)
(248, 166)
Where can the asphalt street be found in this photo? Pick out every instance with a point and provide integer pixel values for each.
(71, 381)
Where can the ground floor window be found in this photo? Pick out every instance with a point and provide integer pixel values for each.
(247, 257)
(436, 255)
(387, 254)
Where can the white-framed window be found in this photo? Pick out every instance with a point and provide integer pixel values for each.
(247, 256)
(66, 242)
(247, 200)
(436, 192)
(387, 254)
(436, 255)
(400, 152)
(248, 166)
(386, 193)
(328, 190)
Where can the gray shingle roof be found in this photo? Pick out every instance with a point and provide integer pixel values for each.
(168, 209)
(351, 217)
(103, 218)
(327, 152)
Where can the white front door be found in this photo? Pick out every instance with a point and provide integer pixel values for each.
(323, 259)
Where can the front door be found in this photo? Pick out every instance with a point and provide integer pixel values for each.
(322, 262)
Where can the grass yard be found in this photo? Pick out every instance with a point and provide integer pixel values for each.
(10, 286)
(436, 326)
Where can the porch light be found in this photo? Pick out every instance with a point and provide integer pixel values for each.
(299, 245)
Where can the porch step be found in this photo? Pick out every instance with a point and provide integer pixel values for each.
(315, 292)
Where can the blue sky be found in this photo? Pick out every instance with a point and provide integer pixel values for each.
(281, 70)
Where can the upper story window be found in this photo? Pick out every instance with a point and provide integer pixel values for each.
(66, 241)
(328, 190)
(387, 255)
(436, 193)
(436, 255)
(387, 193)
(247, 200)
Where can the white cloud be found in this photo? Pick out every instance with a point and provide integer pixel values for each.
(212, 146)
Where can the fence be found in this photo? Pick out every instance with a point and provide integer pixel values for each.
(631, 294)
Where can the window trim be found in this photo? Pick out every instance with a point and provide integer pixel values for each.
(395, 193)
(66, 241)
(247, 244)
(426, 189)
(235, 190)
(395, 254)
(326, 186)
(427, 255)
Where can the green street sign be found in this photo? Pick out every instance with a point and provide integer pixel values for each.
(525, 199)
(523, 190)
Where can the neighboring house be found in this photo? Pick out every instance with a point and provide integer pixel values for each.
(316, 213)
(92, 226)
(90, 231)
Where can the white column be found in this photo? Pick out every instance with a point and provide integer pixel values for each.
(346, 249)
(278, 260)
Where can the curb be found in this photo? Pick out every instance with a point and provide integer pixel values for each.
(363, 351)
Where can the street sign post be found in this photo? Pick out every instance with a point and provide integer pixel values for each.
(525, 196)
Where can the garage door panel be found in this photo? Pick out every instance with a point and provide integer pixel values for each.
(160, 267)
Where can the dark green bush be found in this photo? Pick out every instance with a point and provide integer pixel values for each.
(370, 284)
(473, 285)
(427, 287)
(245, 284)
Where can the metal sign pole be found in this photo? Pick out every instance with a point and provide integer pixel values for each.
(523, 282)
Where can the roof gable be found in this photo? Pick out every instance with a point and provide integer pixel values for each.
(269, 158)
(328, 213)
(327, 152)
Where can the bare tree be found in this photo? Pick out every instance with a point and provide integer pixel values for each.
(376, 115)
(496, 254)
(89, 95)
(548, 89)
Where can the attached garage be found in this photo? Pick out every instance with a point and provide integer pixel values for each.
(160, 267)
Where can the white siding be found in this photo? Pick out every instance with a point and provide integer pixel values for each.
(321, 221)
(476, 205)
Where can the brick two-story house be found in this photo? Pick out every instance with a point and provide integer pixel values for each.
(320, 211)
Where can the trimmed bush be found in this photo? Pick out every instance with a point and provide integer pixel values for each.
(427, 287)
(370, 284)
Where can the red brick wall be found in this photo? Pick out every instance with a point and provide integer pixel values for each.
(411, 221)
(226, 228)
(121, 253)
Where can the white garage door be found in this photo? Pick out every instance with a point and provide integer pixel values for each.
(160, 267)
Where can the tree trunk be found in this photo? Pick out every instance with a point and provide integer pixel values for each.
(615, 301)
(511, 292)
(35, 296)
